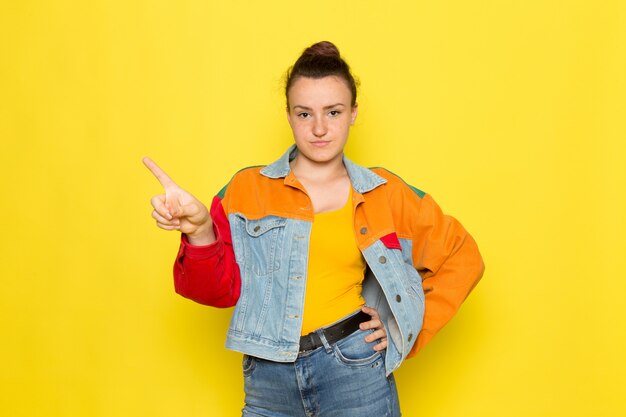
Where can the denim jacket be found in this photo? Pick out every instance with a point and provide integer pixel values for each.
(262, 221)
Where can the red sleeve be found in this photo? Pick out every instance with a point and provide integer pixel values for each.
(209, 274)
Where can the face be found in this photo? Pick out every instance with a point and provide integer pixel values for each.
(320, 115)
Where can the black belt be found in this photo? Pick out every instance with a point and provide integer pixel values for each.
(333, 333)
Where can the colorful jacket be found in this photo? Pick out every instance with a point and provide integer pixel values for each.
(421, 263)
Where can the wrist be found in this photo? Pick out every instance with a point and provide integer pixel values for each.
(202, 237)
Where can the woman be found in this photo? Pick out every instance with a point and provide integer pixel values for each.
(326, 262)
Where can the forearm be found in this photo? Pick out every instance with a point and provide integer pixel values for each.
(209, 274)
(450, 264)
(446, 290)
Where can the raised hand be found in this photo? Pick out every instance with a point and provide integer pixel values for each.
(179, 210)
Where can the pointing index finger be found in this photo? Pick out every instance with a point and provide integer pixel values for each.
(160, 175)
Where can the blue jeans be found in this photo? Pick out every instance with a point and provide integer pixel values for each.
(346, 379)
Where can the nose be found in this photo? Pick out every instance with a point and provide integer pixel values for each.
(319, 127)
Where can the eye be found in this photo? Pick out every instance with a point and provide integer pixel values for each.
(334, 113)
(303, 115)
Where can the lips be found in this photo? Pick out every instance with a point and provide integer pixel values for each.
(320, 143)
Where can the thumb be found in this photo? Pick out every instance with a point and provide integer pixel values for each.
(182, 210)
(174, 207)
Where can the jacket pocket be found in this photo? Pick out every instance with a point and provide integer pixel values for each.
(263, 241)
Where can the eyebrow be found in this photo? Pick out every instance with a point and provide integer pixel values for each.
(325, 108)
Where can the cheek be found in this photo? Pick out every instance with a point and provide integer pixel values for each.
(298, 131)
(345, 129)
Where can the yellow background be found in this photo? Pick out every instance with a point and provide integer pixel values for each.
(510, 113)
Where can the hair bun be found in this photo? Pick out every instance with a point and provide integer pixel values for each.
(323, 48)
(318, 61)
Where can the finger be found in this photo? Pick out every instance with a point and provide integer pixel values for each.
(158, 202)
(371, 311)
(372, 324)
(173, 208)
(167, 227)
(160, 175)
(378, 334)
(193, 211)
(382, 345)
(180, 210)
(173, 222)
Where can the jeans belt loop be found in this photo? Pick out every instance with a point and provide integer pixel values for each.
(320, 333)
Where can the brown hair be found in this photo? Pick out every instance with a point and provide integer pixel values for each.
(318, 61)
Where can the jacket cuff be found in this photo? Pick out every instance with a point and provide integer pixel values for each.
(199, 252)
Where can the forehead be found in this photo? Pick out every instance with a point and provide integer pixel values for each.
(319, 92)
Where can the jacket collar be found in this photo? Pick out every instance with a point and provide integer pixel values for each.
(362, 179)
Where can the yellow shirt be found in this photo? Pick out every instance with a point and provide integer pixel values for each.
(335, 271)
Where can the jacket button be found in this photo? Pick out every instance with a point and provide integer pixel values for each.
(410, 337)
(363, 230)
(398, 298)
(257, 228)
(382, 260)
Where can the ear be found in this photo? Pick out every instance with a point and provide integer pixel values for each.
(355, 112)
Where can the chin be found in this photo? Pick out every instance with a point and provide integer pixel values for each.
(322, 157)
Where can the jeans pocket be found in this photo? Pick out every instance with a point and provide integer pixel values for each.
(248, 365)
(353, 350)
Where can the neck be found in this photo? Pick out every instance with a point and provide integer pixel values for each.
(304, 168)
